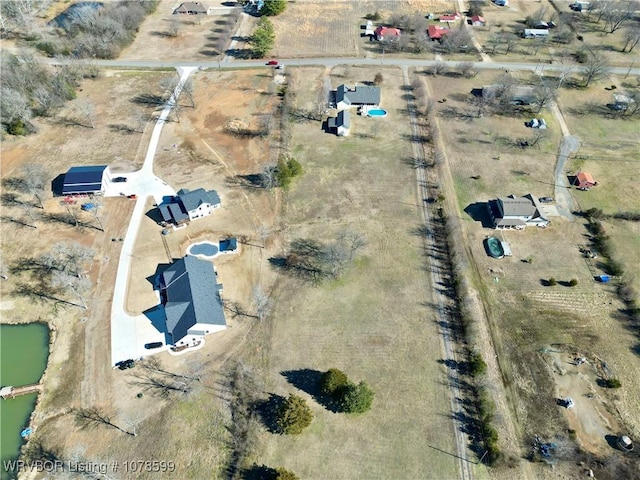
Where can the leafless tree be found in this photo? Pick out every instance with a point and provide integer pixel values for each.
(456, 40)
(268, 177)
(544, 96)
(94, 416)
(78, 285)
(140, 120)
(264, 232)
(421, 42)
(510, 42)
(14, 106)
(174, 27)
(189, 90)
(29, 211)
(481, 104)
(35, 177)
(617, 15)
(437, 68)
(596, 68)
(467, 69)
(96, 212)
(262, 301)
(85, 113)
(68, 257)
(631, 37)
(494, 41)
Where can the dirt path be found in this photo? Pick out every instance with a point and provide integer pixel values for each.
(438, 297)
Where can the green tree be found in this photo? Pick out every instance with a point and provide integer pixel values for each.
(294, 415)
(263, 38)
(356, 398)
(333, 382)
(272, 8)
(284, 474)
(286, 169)
(477, 365)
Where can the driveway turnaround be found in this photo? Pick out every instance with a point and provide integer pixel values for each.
(129, 334)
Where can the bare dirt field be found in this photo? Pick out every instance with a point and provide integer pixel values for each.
(526, 314)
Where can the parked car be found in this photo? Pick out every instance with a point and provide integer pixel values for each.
(545, 199)
(124, 364)
(152, 345)
(566, 402)
(119, 179)
(272, 62)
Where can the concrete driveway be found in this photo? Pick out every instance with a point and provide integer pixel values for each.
(130, 333)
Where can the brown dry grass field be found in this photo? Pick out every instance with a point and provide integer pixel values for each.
(311, 28)
(372, 323)
(195, 40)
(511, 19)
(527, 316)
(79, 373)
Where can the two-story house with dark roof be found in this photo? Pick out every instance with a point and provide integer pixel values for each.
(190, 293)
(189, 205)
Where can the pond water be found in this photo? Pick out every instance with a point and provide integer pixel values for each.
(24, 350)
(73, 12)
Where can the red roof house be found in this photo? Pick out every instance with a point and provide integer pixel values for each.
(477, 21)
(450, 18)
(584, 180)
(436, 33)
(386, 33)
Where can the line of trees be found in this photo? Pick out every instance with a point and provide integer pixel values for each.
(263, 38)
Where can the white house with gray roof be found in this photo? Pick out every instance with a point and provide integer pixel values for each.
(340, 124)
(346, 97)
(516, 212)
(189, 205)
(190, 293)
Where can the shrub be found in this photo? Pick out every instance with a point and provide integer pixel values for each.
(373, 16)
(17, 127)
(378, 79)
(294, 415)
(573, 282)
(333, 382)
(272, 8)
(286, 169)
(356, 398)
(614, 267)
(612, 383)
(552, 281)
(581, 56)
(477, 366)
(284, 474)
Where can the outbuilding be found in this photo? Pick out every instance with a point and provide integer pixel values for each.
(91, 179)
(191, 8)
(584, 181)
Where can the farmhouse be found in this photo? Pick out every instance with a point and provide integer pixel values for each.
(89, 179)
(535, 33)
(450, 18)
(190, 294)
(478, 21)
(516, 212)
(346, 97)
(388, 34)
(191, 8)
(340, 124)
(189, 205)
(436, 33)
(584, 181)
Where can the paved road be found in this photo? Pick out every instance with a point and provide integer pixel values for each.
(330, 62)
(130, 333)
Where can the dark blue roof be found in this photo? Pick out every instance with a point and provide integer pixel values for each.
(191, 200)
(83, 179)
(192, 296)
(228, 245)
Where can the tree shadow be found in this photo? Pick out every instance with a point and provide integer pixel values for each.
(241, 53)
(308, 381)
(122, 128)
(267, 411)
(259, 472)
(149, 100)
